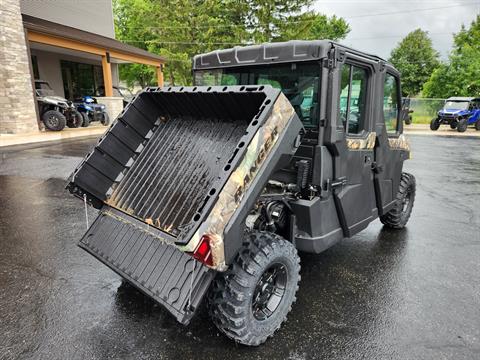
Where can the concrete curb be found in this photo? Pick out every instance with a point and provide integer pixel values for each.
(424, 129)
(42, 136)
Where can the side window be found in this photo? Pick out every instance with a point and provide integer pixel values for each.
(353, 98)
(390, 103)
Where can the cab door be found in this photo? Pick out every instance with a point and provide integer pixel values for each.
(353, 188)
(391, 149)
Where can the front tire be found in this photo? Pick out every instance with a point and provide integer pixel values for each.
(453, 125)
(462, 126)
(251, 300)
(434, 124)
(105, 119)
(398, 216)
(54, 120)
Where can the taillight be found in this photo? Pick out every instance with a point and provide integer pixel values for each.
(203, 253)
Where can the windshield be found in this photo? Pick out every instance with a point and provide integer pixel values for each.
(298, 81)
(43, 89)
(457, 105)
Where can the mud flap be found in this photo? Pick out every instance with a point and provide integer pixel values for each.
(158, 269)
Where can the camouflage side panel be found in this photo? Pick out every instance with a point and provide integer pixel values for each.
(362, 144)
(240, 180)
(400, 143)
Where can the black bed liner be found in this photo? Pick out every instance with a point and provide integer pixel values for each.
(156, 268)
(170, 151)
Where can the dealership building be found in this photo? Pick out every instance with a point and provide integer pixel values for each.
(70, 44)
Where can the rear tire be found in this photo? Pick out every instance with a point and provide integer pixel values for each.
(434, 124)
(76, 120)
(251, 300)
(477, 125)
(86, 119)
(408, 120)
(398, 216)
(54, 120)
(462, 125)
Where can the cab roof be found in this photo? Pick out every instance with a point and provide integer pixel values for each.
(460, 98)
(268, 53)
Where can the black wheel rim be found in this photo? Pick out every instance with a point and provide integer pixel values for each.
(52, 120)
(406, 201)
(269, 291)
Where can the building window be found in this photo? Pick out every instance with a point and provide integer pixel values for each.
(80, 79)
(353, 98)
(390, 103)
(36, 74)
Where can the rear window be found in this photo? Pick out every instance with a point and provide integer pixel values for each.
(298, 81)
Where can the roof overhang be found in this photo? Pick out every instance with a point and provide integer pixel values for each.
(54, 34)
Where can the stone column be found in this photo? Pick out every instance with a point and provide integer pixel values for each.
(17, 106)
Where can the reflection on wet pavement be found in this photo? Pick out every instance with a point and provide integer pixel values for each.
(410, 294)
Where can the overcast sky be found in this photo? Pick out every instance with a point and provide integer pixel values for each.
(378, 25)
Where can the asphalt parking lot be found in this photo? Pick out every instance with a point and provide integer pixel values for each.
(410, 294)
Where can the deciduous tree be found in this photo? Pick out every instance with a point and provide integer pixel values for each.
(460, 75)
(179, 29)
(416, 59)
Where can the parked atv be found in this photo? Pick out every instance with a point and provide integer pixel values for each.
(92, 111)
(55, 111)
(458, 112)
(406, 111)
(211, 191)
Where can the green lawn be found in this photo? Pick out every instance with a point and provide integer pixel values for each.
(421, 119)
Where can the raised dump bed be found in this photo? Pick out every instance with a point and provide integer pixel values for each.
(178, 164)
(171, 151)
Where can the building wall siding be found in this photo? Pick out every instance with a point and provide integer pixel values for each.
(17, 105)
(95, 16)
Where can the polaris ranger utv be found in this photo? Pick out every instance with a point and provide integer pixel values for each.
(213, 189)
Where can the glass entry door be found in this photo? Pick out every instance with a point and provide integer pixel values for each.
(80, 79)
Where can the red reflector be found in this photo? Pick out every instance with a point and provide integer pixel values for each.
(203, 252)
(203, 249)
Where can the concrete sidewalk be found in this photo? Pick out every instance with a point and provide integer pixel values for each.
(42, 136)
(444, 130)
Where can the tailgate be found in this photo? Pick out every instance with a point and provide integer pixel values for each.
(169, 276)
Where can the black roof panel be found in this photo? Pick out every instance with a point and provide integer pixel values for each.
(268, 53)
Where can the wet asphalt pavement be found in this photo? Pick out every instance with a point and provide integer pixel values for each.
(411, 294)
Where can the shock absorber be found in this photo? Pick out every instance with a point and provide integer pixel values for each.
(303, 170)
